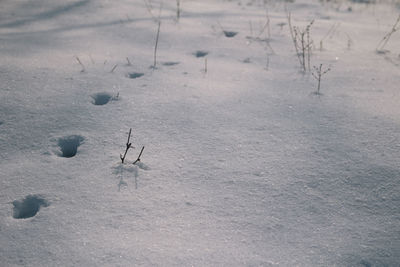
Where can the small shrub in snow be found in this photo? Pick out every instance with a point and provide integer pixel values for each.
(302, 42)
(317, 74)
(128, 146)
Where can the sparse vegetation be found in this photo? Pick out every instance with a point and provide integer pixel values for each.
(80, 63)
(156, 45)
(302, 43)
(317, 74)
(178, 10)
(129, 146)
(115, 66)
(385, 39)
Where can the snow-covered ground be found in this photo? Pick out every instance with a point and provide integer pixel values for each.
(243, 164)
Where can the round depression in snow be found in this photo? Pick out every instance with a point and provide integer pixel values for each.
(28, 206)
(100, 99)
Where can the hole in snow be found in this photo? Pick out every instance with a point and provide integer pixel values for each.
(69, 145)
(200, 53)
(170, 63)
(101, 98)
(134, 75)
(28, 207)
(365, 263)
(230, 34)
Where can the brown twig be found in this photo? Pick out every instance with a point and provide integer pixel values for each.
(128, 145)
(138, 158)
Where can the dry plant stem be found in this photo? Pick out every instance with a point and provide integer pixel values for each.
(178, 9)
(386, 38)
(302, 43)
(294, 39)
(128, 145)
(308, 51)
(115, 66)
(268, 24)
(251, 29)
(331, 30)
(156, 45)
(205, 65)
(80, 63)
(318, 74)
(138, 158)
(129, 62)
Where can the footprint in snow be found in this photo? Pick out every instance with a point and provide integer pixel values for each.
(29, 206)
(68, 145)
(230, 34)
(100, 99)
(170, 63)
(135, 75)
(200, 53)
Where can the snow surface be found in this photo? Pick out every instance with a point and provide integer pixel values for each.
(243, 165)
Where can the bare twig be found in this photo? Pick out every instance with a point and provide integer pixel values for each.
(156, 45)
(386, 38)
(178, 9)
(317, 75)
(115, 66)
(330, 32)
(128, 146)
(80, 63)
(294, 39)
(302, 43)
(268, 23)
(129, 62)
(138, 158)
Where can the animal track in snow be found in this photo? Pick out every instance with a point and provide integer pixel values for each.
(135, 75)
(100, 99)
(230, 34)
(200, 53)
(69, 145)
(170, 63)
(29, 206)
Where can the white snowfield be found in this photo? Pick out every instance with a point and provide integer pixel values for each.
(244, 164)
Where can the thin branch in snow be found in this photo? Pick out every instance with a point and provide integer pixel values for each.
(156, 45)
(80, 63)
(138, 158)
(129, 62)
(317, 74)
(128, 146)
(115, 66)
(384, 41)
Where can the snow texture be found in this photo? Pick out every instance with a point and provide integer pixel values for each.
(243, 164)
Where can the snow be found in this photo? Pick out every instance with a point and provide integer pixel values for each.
(243, 165)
